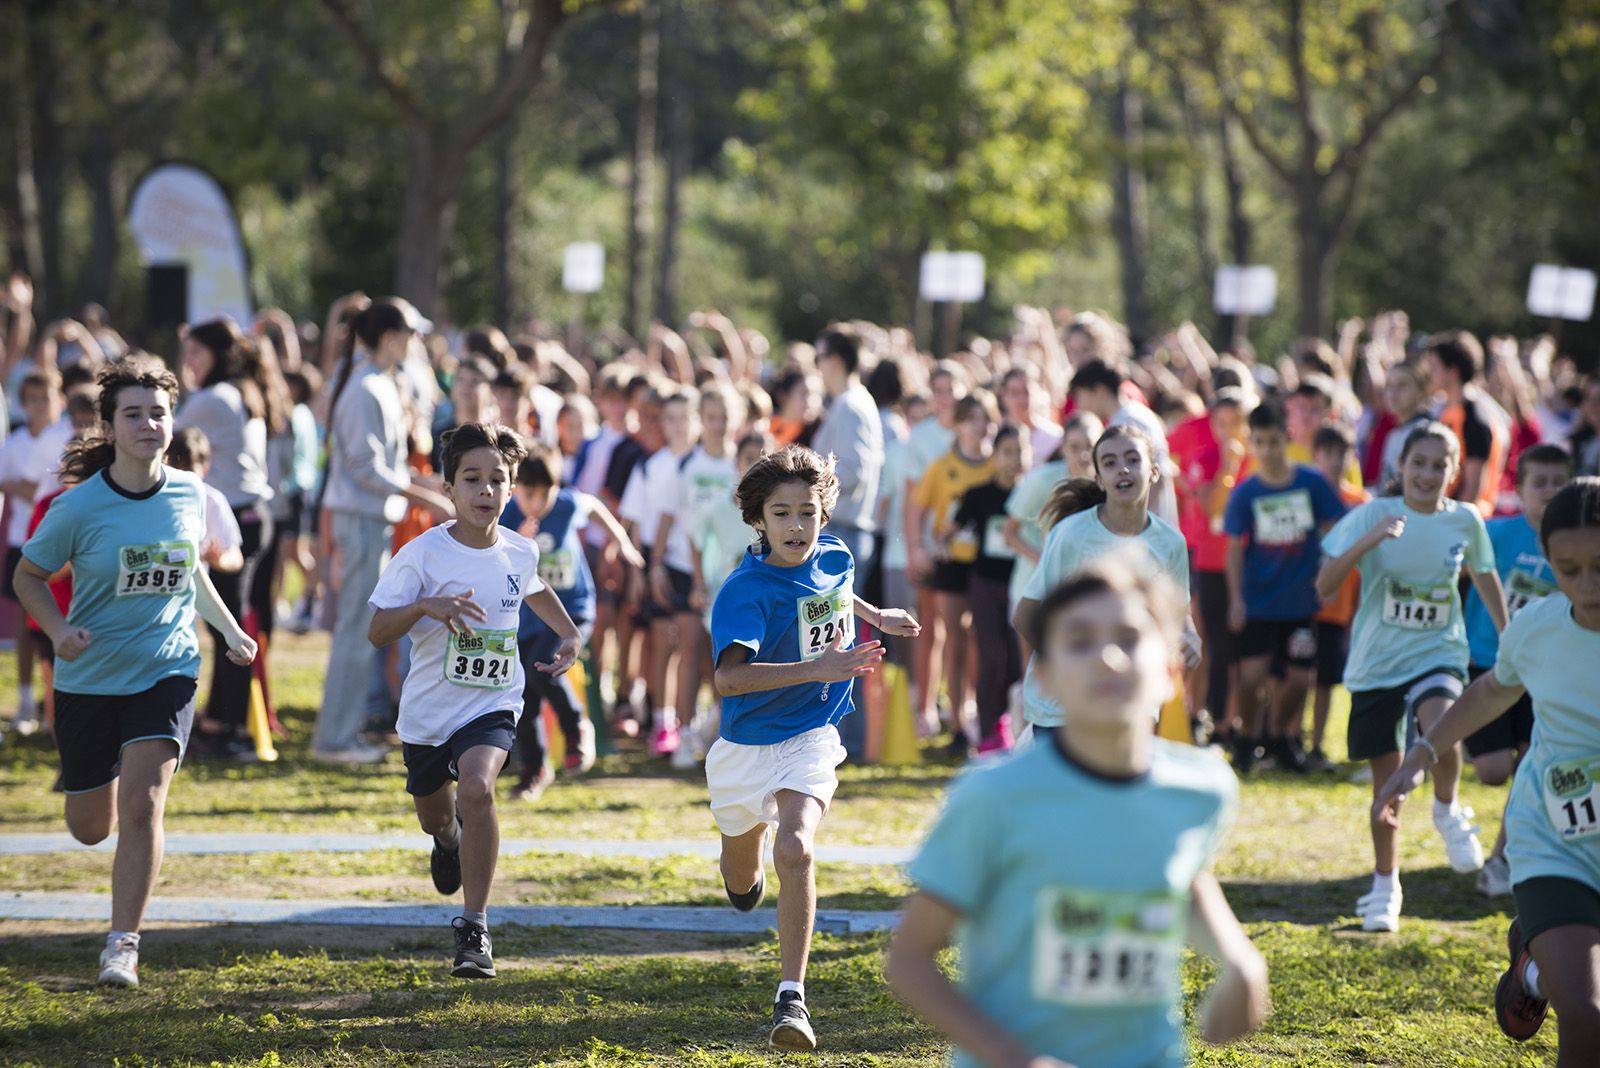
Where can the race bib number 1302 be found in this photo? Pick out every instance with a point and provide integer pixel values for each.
(158, 570)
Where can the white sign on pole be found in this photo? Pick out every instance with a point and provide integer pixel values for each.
(952, 276)
(1245, 290)
(179, 214)
(584, 269)
(1561, 292)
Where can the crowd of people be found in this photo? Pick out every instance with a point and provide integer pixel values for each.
(1053, 534)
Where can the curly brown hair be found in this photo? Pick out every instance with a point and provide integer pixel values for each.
(454, 444)
(792, 463)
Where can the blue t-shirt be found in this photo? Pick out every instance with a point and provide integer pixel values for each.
(1279, 526)
(1524, 573)
(1072, 942)
(785, 615)
(133, 558)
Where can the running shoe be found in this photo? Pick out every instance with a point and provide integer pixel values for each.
(531, 788)
(474, 952)
(1288, 755)
(1244, 756)
(1494, 878)
(1460, 836)
(1519, 1013)
(999, 741)
(1380, 910)
(26, 721)
(119, 962)
(665, 742)
(683, 757)
(747, 901)
(445, 864)
(580, 758)
(791, 1024)
(1317, 761)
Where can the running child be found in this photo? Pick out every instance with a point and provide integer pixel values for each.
(554, 516)
(1088, 519)
(1542, 470)
(783, 638)
(1071, 940)
(1273, 521)
(981, 515)
(127, 656)
(1408, 644)
(1547, 652)
(457, 590)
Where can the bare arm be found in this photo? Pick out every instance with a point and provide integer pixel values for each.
(618, 533)
(241, 647)
(1487, 583)
(1234, 570)
(32, 584)
(1337, 568)
(455, 612)
(1238, 1002)
(1013, 535)
(1485, 701)
(1022, 618)
(736, 675)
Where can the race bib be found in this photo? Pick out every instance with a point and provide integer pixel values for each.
(1095, 948)
(485, 660)
(159, 570)
(1572, 798)
(1417, 607)
(823, 618)
(994, 539)
(1522, 587)
(558, 569)
(1283, 518)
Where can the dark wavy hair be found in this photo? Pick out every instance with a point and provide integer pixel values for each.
(792, 463)
(456, 443)
(1575, 507)
(92, 453)
(1122, 573)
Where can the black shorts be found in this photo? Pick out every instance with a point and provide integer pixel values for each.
(1549, 901)
(93, 728)
(1378, 718)
(1513, 730)
(1289, 642)
(1333, 649)
(950, 577)
(682, 584)
(8, 588)
(42, 645)
(294, 522)
(429, 767)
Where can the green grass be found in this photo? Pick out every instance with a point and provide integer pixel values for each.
(364, 996)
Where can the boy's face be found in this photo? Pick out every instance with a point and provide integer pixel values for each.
(1008, 458)
(974, 429)
(791, 518)
(714, 417)
(1305, 415)
(748, 457)
(1540, 483)
(613, 406)
(1330, 462)
(1104, 659)
(516, 408)
(1078, 451)
(650, 425)
(1017, 395)
(535, 501)
(677, 425)
(469, 395)
(943, 391)
(42, 405)
(481, 487)
(1270, 446)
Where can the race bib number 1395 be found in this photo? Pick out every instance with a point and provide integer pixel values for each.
(159, 570)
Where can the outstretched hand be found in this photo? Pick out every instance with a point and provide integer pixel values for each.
(454, 612)
(898, 623)
(838, 664)
(566, 656)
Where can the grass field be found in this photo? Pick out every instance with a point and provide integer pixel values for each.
(377, 996)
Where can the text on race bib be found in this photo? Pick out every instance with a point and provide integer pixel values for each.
(484, 660)
(994, 539)
(1413, 607)
(158, 570)
(1572, 798)
(558, 569)
(1100, 948)
(1521, 588)
(823, 618)
(1283, 518)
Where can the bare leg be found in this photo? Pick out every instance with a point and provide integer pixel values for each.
(1385, 853)
(480, 824)
(661, 678)
(147, 769)
(1569, 975)
(1447, 772)
(1321, 704)
(692, 651)
(929, 655)
(952, 609)
(1290, 711)
(25, 658)
(1252, 674)
(793, 850)
(437, 812)
(742, 859)
(1493, 769)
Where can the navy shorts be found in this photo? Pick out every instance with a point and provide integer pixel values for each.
(8, 588)
(93, 728)
(1512, 730)
(1289, 642)
(428, 767)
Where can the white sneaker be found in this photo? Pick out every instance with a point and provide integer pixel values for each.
(1460, 836)
(1362, 774)
(1494, 878)
(356, 754)
(1380, 910)
(26, 721)
(119, 962)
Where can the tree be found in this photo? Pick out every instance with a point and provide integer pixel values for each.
(1312, 88)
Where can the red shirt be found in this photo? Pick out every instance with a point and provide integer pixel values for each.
(1194, 448)
(63, 589)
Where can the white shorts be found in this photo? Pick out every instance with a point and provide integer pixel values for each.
(744, 780)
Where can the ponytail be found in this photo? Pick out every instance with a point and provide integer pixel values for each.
(1071, 496)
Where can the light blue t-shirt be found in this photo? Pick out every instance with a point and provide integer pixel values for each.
(1410, 622)
(785, 615)
(1524, 573)
(1553, 820)
(133, 560)
(1074, 895)
(1027, 500)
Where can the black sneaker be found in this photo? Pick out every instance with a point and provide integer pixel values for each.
(474, 959)
(1244, 756)
(1290, 757)
(445, 865)
(747, 901)
(791, 1024)
(1318, 761)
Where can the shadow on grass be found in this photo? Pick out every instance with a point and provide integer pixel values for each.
(1430, 893)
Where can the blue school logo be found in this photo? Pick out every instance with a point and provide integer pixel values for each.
(514, 585)
(1457, 553)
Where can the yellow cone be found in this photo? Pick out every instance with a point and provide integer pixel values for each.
(1174, 722)
(260, 730)
(555, 741)
(899, 730)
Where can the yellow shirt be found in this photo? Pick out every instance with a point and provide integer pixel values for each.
(1301, 454)
(940, 491)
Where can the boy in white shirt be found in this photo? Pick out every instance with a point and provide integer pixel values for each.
(223, 547)
(458, 590)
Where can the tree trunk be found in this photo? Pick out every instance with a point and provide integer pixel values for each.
(27, 187)
(677, 147)
(1314, 250)
(1199, 209)
(423, 220)
(1240, 230)
(99, 160)
(49, 171)
(503, 204)
(1130, 221)
(641, 176)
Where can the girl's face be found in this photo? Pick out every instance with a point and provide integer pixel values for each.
(1078, 450)
(943, 390)
(141, 423)
(481, 487)
(570, 431)
(1008, 459)
(714, 417)
(1017, 396)
(1575, 559)
(677, 425)
(1105, 660)
(198, 361)
(791, 519)
(1427, 471)
(469, 395)
(748, 456)
(1401, 394)
(1541, 483)
(974, 429)
(1124, 469)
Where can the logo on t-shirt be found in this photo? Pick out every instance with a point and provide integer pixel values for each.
(514, 585)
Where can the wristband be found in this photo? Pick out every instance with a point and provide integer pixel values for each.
(1433, 753)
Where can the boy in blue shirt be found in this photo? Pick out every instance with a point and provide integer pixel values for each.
(1073, 873)
(783, 641)
(1273, 522)
(1526, 576)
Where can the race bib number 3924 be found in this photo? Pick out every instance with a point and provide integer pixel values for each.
(484, 659)
(1097, 948)
(823, 618)
(162, 569)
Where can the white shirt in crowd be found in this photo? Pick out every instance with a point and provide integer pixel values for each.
(34, 459)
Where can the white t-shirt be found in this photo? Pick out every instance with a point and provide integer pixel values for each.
(31, 458)
(222, 529)
(652, 490)
(703, 481)
(454, 679)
